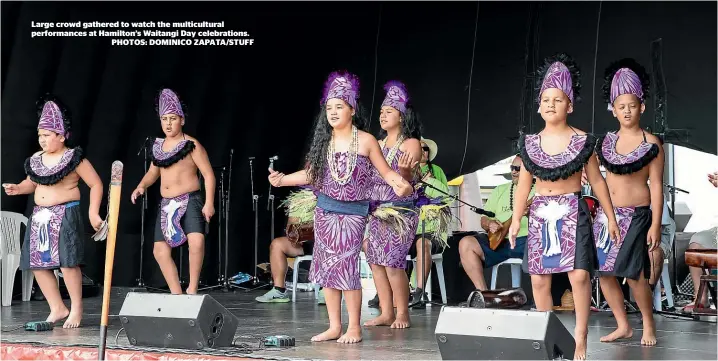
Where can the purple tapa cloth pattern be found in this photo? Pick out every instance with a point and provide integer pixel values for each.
(385, 246)
(171, 212)
(551, 237)
(160, 154)
(396, 95)
(608, 149)
(539, 157)
(558, 76)
(625, 81)
(51, 118)
(338, 237)
(342, 85)
(45, 227)
(41, 170)
(606, 248)
(169, 103)
(380, 189)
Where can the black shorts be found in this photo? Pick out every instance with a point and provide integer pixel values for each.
(192, 221)
(70, 245)
(436, 247)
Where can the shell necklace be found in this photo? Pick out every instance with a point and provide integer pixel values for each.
(394, 149)
(351, 161)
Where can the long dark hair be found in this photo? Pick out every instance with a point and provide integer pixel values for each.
(410, 125)
(317, 155)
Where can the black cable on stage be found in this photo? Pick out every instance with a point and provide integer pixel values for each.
(376, 63)
(468, 105)
(595, 59)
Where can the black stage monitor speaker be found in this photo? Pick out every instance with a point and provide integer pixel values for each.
(177, 321)
(495, 334)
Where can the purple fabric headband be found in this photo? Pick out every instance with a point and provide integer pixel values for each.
(396, 95)
(169, 103)
(342, 85)
(51, 118)
(625, 81)
(558, 77)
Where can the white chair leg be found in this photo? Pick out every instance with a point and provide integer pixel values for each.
(494, 275)
(515, 275)
(666, 280)
(27, 278)
(442, 283)
(427, 286)
(295, 278)
(9, 267)
(657, 304)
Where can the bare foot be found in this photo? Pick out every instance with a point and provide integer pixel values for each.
(192, 291)
(330, 334)
(402, 321)
(73, 321)
(353, 335)
(619, 334)
(580, 352)
(57, 315)
(649, 335)
(381, 320)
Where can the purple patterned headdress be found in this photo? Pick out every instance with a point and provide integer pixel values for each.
(396, 95)
(169, 103)
(51, 118)
(625, 82)
(342, 85)
(625, 76)
(558, 76)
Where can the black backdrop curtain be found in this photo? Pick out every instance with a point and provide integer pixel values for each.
(260, 100)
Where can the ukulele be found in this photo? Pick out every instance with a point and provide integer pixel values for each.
(498, 237)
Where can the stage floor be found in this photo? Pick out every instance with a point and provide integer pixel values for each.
(677, 338)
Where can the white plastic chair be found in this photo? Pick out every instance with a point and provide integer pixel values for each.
(438, 260)
(515, 264)
(664, 280)
(10, 226)
(295, 276)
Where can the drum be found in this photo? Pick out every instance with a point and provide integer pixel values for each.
(299, 234)
(592, 205)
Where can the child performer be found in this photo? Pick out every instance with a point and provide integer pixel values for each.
(340, 163)
(184, 211)
(631, 158)
(55, 237)
(559, 235)
(392, 225)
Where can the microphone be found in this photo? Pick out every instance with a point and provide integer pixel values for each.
(456, 198)
(271, 161)
(484, 212)
(144, 145)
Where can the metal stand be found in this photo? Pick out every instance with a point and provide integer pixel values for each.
(270, 198)
(256, 284)
(421, 303)
(676, 292)
(222, 215)
(140, 280)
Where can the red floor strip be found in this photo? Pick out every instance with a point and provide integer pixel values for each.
(9, 351)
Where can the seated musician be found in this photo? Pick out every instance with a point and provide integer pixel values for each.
(707, 239)
(292, 244)
(659, 254)
(474, 250)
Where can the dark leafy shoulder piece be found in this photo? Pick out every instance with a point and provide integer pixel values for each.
(559, 166)
(164, 159)
(40, 174)
(621, 164)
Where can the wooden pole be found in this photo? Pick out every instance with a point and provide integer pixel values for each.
(114, 213)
